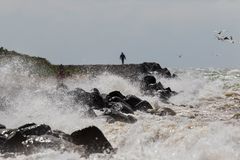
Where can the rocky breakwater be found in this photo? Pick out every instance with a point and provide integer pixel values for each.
(131, 71)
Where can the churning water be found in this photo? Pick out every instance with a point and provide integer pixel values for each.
(204, 128)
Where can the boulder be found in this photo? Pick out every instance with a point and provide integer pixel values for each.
(166, 111)
(61, 135)
(2, 126)
(132, 101)
(143, 106)
(113, 116)
(149, 80)
(92, 139)
(35, 130)
(93, 99)
(13, 142)
(121, 107)
(115, 94)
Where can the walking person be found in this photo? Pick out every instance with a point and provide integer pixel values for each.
(122, 57)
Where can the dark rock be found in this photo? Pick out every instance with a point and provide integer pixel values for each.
(96, 100)
(236, 116)
(115, 94)
(121, 106)
(150, 67)
(93, 100)
(143, 106)
(156, 86)
(80, 95)
(149, 80)
(166, 111)
(93, 139)
(35, 143)
(166, 73)
(61, 135)
(27, 125)
(2, 126)
(114, 116)
(132, 101)
(2, 140)
(13, 142)
(35, 130)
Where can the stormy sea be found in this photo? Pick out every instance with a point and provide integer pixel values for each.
(199, 120)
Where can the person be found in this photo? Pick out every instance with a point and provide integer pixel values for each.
(122, 57)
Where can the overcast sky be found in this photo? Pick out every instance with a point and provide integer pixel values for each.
(97, 31)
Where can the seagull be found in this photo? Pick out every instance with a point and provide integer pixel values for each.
(221, 37)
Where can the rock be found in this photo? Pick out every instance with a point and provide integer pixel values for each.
(132, 101)
(114, 116)
(27, 125)
(126, 108)
(150, 67)
(96, 100)
(166, 73)
(93, 139)
(149, 80)
(35, 143)
(236, 116)
(143, 106)
(13, 142)
(93, 100)
(115, 94)
(166, 111)
(61, 135)
(35, 130)
(2, 126)
(120, 106)
(155, 86)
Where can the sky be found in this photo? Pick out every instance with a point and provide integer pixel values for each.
(97, 31)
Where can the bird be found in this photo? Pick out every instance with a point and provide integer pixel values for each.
(222, 37)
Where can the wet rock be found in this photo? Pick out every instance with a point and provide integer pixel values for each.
(166, 73)
(150, 87)
(2, 126)
(143, 106)
(236, 116)
(132, 101)
(166, 111)
(93, 100)
(114, 116)
(35, 143)
(96, 99)
(13, 142)
(150, 67)
(120, 106)
(27, 125)
(149, 80)
(156, 86)
(93, 139)
(35, 130)
(80, 95)
(61, 135)
(115, 94)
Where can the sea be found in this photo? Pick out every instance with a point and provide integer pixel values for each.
(206, 125)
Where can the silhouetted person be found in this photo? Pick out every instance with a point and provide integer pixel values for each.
(122, 57)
